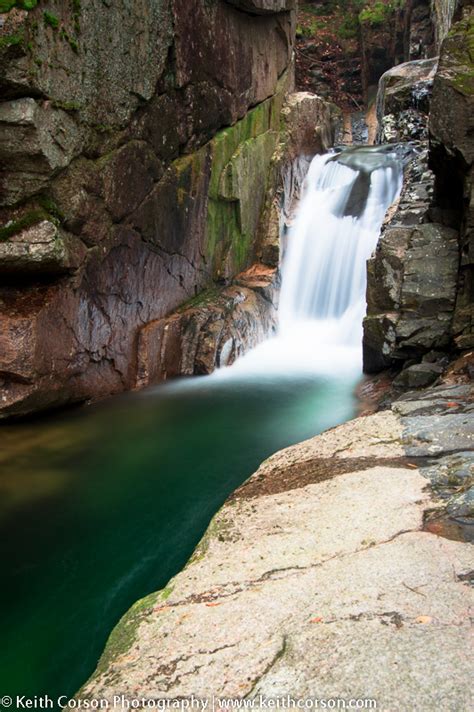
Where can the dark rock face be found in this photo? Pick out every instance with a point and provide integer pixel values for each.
(403, 101)
(420, 35)
(420, 280)
(382, 44)
(452, 141)
(135, 180)
(412, 278)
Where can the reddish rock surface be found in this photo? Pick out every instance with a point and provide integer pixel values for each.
(136, 181)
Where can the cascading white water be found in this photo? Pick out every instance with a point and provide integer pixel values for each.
(322, 302)
(336, 229)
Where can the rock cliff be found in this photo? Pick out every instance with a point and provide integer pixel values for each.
(134, 178)
(420, 278)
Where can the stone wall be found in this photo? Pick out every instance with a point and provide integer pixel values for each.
(134, 176)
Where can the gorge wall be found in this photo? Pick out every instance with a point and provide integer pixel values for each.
(420, 280)
(138, 177)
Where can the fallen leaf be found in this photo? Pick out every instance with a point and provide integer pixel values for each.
(211, 605)
(424, 619)
(316, 620)
(452, 404)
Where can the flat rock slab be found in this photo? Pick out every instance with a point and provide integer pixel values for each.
(433, 435)
(323, 588)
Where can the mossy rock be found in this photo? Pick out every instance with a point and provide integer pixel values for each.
(458, 50)
(241, 156)
(124, 634)
(7, 5)
(13, 227)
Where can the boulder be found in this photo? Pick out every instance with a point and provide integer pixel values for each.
(411, 293)
(309, 125)
(403, 101)
(411, 278)
(419, 375)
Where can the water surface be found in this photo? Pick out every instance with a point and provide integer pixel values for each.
(101, 507)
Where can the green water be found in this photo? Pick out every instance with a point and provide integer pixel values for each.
(100, 507)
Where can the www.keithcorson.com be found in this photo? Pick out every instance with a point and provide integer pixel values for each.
(212, 704)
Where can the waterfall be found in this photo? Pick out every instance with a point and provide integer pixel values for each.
(322, 303)
(336, 229)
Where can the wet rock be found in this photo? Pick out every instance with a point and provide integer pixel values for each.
(403, 101)
(462, 506)
(437, 400)
(225, 40)
(309, 125)
(418, 376)
(84, 60)
(437, 434)
(211, 331)
(239, 181)
(451, 472)
(436, 357)
(411, 293)
(128, 175)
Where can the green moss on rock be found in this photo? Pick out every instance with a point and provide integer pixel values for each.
(240, 160)
(11, 40)
(459, 48)
(208, 296)
(124, 634)
(27, 220)
(51, 19)
(6, 5)
(49, 206)
(379, 12)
